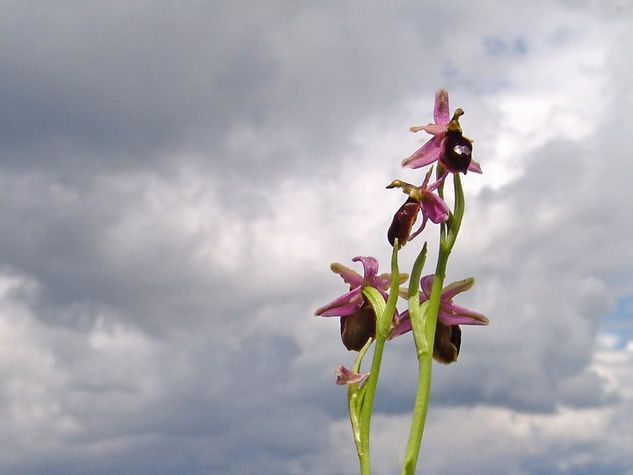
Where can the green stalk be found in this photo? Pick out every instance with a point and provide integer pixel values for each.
(424, 322)
(355, 399)
(384, 315)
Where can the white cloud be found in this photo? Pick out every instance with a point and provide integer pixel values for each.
(56, 380)
(167, 240)
(498, 440)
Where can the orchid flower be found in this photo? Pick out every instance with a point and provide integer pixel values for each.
(448, 145)
(358, 319)
(347, 376)
(449, 317)
(421, 198)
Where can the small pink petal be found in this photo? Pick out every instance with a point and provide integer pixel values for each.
(427, 177)
(349, 276)
(455, 288)
(346, 304)
(401, 324)
(440, 111)
(383, 281)
(370, 267)
(474, 167)
(346, 376)
(414, 234)
(453, 314)
(434, 207)
(426, 283)
(425, 155)
(437, 183)
(434, 129)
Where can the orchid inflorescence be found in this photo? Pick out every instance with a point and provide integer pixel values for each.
(368, 313)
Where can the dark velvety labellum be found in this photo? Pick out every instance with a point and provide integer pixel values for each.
(403, 222)
(456, 152)
(358, 327)
(448, 339)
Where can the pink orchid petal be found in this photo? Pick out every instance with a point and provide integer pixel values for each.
(436, 184)
(455, 288)
(344, 305)
(412, 236)
(453, 314)
(370, 267)
(400, 325)
(348, 275)
(347, 376)
(383, 281)
(440, 111)
(425, 155)
(433, 129)
(474, 167)
(427, 177)
(426, 283)
(434, 207)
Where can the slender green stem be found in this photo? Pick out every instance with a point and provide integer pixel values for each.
(424, 322)
(427, 321)
(367, 404)
(384, 315)
(369, 388)
(355, 398)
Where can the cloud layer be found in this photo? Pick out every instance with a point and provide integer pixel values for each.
(176, 180)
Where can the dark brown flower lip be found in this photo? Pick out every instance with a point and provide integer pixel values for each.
(358, 327)
(456, 152)
(403, 222)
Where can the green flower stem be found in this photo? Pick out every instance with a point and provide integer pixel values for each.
(424, 322)
(355, 398)
(384, 315)
(455, 220)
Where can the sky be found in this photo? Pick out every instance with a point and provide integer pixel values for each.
(177, 177)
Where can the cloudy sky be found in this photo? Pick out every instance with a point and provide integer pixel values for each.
(176, 178)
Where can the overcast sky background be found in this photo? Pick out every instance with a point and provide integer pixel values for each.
(176, 178)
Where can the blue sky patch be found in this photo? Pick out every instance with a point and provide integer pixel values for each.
(620, 323)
